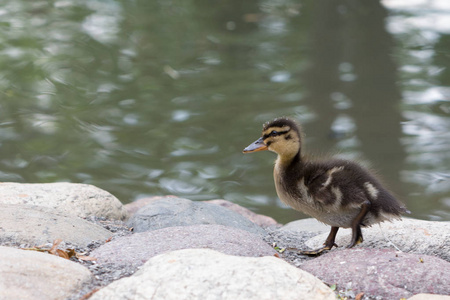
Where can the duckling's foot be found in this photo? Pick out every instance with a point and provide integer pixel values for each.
(329, 243)
(357, 237)
(356, 240)
(317, 251)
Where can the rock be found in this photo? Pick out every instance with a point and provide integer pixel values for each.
(207, 274)
(409, 235)
(260, 220)
(136, 249)
(134, 206)
(24, 224)
(81, 200)
(35, 275)
(168, 212)
(381, 272)
(309, 225)
(429, 297)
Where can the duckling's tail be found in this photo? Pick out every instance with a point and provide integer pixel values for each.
(404, 210)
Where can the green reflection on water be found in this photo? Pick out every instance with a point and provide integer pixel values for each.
(160, 97)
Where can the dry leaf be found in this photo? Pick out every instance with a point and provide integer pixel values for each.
(85, 257)
(35, 249)
(67, 254)
(61, 253)
(55, 246)
(71, 252)
(359, 296)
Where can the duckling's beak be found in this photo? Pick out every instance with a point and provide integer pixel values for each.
(257, 145)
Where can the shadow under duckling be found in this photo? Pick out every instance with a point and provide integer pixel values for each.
(337, 192)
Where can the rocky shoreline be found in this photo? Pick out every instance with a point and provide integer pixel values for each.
(173, 248)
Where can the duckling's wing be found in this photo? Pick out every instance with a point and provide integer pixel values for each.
(335, 183)
(348, 185)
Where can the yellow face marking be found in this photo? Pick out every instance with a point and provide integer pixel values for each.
(278, 129)
(282, 140)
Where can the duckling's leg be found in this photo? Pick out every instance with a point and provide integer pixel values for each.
(357, 237)
(329, 243)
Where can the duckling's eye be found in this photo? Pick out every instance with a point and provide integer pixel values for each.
(274, 133)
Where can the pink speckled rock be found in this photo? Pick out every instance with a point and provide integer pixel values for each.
(382, 272)
(136, 249)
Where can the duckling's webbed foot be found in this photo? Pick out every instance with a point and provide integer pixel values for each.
(329, 243)
(357, 237)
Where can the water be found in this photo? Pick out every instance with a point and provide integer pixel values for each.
(148, 98)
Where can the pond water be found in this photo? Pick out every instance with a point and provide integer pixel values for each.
(155, 97)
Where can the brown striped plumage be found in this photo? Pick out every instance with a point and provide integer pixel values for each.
(336, 192)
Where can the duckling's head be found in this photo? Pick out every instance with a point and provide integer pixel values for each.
(282, 136)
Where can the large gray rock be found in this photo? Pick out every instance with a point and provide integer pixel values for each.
(207, 274)
(168, 212)
(136, 205)
(260, 220)
(409, 235)
(24, 224)
(81, 200)
(136, 249)
(382, 272)
(34, 275)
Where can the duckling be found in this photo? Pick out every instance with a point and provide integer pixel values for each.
(336, 192)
